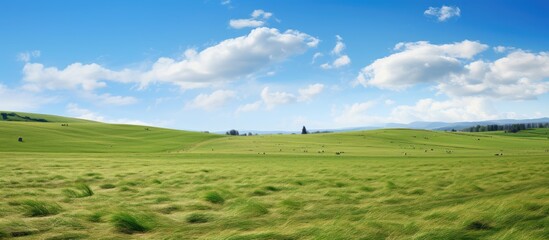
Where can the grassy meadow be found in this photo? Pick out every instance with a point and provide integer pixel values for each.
(92, 180)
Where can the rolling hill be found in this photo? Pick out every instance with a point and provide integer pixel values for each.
(61, 134)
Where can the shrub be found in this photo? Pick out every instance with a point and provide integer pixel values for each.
(215, 198)
(259, 193)
(40, 209)
(169, 209)
(197, 218)
(130, 224)
(107, 186)
(272, 188)
(479, 225)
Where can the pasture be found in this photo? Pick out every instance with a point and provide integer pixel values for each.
(99, 181)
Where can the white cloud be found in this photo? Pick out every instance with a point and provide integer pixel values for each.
(250, 107)
(75, 76)
(225, 2)
(74, 110)
(339, 47)
(27, 56)
(315, 56)
(211, 101)
(231, 59)
(453, 110)
(109, 99)
(418, 62)
(356, 114)
(443, 13)
(272, 99)
(244, 23)
(307, 94)
(257, 20)
(389, 102)
(500, 49)
(259, 13)
(19, 100)
(341, 60)
(519, 75)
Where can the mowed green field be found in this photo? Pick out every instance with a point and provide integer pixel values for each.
(99, 181)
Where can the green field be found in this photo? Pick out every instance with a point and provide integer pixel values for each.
(91, 180)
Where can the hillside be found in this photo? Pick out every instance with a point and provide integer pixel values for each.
(80, 136)
(60, 134)
(386, 142)
(154, 183)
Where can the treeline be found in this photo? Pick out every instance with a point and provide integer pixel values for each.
(16, 117)
(512, 128)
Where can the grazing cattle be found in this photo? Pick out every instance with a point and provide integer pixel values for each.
(20, 139)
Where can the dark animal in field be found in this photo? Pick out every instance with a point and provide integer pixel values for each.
(20, 139)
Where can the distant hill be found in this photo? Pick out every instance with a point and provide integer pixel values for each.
(48, 133)
(461, 125)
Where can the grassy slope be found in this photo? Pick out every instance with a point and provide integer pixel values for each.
(94, 137)
(458, 190)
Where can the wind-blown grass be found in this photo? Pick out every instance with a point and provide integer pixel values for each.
(177, 188)
(40, 208)
(129, 223)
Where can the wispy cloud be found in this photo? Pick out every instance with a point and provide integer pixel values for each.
(211, 101)
(258, 19)
(443, 13)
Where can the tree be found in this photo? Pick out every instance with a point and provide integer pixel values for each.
(232, 132)
(304, 130)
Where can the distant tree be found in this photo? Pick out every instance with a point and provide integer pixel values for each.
(304, 130)
(232, 132)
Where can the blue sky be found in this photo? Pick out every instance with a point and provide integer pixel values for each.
(275, 65)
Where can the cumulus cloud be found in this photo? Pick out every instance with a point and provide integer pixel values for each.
(76, 111)
(418, 62)
(231, 59)
(109, 99)
(339, 47)
(443, 13)
(453, 110)
(250, 107)
(519, 75)
(356, 114)
(258, 19)
(18, 100)
(307, 94)
(87, 77)
(341, 60)
(455, 72)
(272, 99)
(211, 101)
(27, 56)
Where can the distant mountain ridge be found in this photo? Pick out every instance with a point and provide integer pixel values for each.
(461, 125)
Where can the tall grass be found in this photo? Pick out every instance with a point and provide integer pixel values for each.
(40, 208)
(129, 223)
(81, 190)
